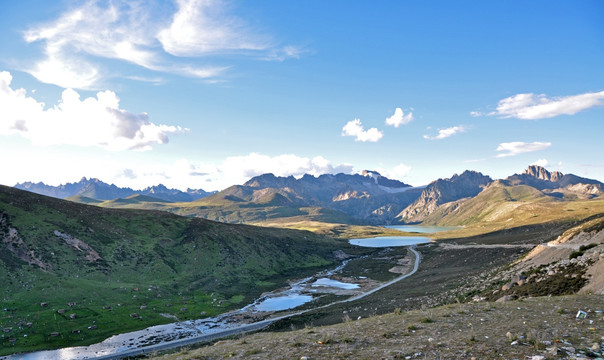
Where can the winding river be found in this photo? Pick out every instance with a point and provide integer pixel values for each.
(163, 337)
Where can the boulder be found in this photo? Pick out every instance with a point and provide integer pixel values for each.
(505, 298)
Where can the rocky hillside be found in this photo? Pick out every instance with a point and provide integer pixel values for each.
(369, 198)
(556, 183)
(99, 190)
(442, 191)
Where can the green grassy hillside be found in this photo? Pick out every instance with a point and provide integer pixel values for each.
(500, 207)
(121, 269)
(495, 202)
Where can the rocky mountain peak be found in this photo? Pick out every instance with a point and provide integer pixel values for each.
(541, 173)
(382, 180)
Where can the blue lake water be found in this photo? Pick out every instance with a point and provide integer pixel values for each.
(283, 302)
(334, 283)
(389, 241)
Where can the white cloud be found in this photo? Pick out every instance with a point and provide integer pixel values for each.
(532, 106)
(145, 34)
(355, 128)
(518, 147)
(399, 118)
(476, 113)
(541, 162)
(445, 133)
(231, 171)
(202, 27)
(89, 122)
(398, 172)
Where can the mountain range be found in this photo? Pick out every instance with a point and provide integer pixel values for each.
(99, 190)
(366, 198)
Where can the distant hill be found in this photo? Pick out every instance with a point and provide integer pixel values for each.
(557, 184)
(368, 198)
(536, 193)
(442, 191)
(99, 190)
(122, 269)
(364, 199)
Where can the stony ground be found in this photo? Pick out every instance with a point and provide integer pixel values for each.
(537, 328)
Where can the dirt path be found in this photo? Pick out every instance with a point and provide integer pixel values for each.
(480, 246)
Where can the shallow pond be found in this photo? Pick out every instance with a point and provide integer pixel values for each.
(283, 302)
(326, 282)
(389, 241)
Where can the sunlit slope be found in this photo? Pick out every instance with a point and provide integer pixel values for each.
(502, 207)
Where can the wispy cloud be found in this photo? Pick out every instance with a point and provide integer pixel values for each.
(202, 27)
(146, 35)
(518, 147)
(541, 162)
(399, 118)
(94, 121)
(447, 132)
(355, 128)
(538, 106)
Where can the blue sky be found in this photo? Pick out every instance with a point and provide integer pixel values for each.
(205, 94)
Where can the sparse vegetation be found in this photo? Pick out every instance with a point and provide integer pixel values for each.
(532, 324)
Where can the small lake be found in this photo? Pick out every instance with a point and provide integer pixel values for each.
(389, 241)
(393, 241)
(283, 302)
(326, 282)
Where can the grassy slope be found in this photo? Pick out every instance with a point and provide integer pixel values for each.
(186, 262)
(500, 207)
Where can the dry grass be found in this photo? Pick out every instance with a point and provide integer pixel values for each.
(541, 326)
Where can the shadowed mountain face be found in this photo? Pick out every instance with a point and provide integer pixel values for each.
(441, 191)
(96, 189)
(369, 197)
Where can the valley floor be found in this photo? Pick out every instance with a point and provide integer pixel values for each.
(545, 326)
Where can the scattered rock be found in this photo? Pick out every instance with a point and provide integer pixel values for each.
(61, 311)
(92, 327)
(43, 304)
(509, 335)
(143, 307)
(72, 316)
(133, 315)
(54, 334)
(505, 298)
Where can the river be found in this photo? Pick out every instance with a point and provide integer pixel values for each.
(162, 337)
